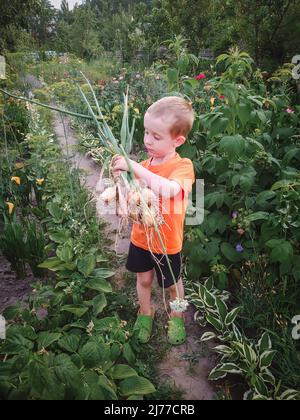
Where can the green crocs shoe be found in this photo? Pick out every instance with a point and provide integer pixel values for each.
(176, 331)
(144, 324)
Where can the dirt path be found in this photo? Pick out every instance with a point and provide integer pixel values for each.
(185, 366)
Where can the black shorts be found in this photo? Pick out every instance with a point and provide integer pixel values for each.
(139, 261)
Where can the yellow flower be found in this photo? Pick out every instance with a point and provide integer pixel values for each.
(136, 110)
(16, 179)
(40, 181)
(10, 207)
(212, 101)
(19, 165)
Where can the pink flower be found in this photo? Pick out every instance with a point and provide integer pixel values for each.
(222, 97)
(239, 248)
(200, 76)
(234, 214)
(41, 313)
(290, 111)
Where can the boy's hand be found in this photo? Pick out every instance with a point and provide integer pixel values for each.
(119, 164)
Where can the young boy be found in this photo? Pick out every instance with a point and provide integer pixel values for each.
(167, 123)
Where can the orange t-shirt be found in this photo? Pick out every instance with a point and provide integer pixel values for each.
(173, 209)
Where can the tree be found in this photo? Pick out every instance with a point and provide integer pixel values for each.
(14, 18)
(43, 23)
(83, 35)
(64, 13)
(190, 18)
(262, 24)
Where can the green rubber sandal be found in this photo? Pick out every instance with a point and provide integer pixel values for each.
(144, 325)
(176, 331)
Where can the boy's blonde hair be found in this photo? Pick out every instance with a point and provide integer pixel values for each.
(179, 109)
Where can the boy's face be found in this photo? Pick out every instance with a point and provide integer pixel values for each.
(157, 138)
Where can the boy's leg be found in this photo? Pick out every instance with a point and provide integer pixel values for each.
(173, 295)
(143, 286)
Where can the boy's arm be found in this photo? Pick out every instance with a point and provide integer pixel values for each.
(158, 184)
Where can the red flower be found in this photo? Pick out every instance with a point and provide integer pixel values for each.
(222, 97)
(200, 76)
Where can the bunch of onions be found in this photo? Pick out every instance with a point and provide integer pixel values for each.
(135, 202)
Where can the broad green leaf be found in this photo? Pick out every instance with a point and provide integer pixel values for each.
(217, 197)
(99, 284)
(221, 370)
(259, 215)
(284, 184)
(233, 146)
(292, 153)
(86, 265)
(66, 371)
(264, 343)
(208, 336)
(290, 394)
(222, 308)
(231, 316)
(103, 273)
(259, 385)
(50, 263)
(38, 375)
(90, 354)
(250, 354)
(266, 359)
(69, 343)
(122, 372)
(128, 353)
(56, 212)
(224, 350)
(65, 253)
(282, 250)
(244, 112)
(99, 303)
(209, 299)
(219, 126)
(183, 63)
(263, 198)
(136, 386)
(172, 75)
(11, 312)
(135, 398)
(60, 236)
(216, 323)
(78, 310)
(108, 388)
(45, 339)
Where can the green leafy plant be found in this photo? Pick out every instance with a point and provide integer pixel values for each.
(13, 246)
(239, 355)
(35, 248)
